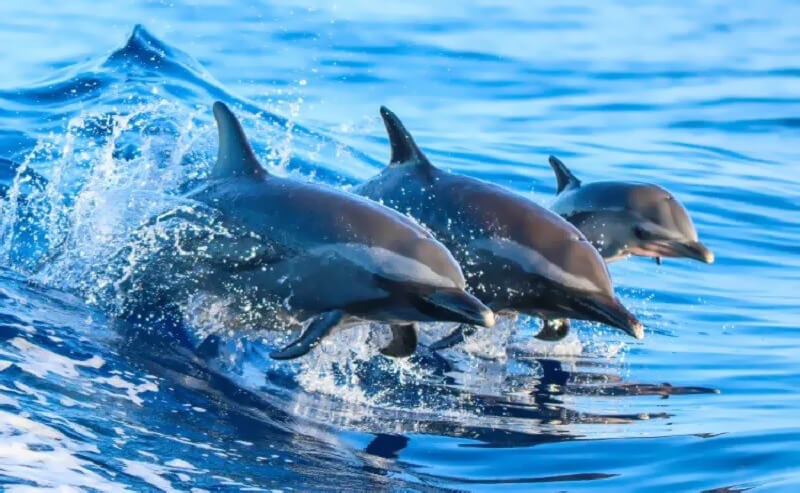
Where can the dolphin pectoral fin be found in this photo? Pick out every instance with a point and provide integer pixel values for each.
(403, 343)
(311, 336)
(553, 330)
(456, 337)
(564, 177)
(659, 260)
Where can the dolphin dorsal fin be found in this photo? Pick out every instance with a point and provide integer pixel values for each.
(235, 157)
(404, 149)
(566, 180)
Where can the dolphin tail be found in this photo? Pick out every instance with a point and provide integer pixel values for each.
(456, 337)
(404, 149)
(566, 180)
(235, 156)
(311, 336)
(553, 330)
(404, 341)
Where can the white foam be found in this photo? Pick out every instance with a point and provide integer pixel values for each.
(40, 362)
(132, 390)
(180, 464)
(568, 347)
(58, 465)
(149, 473)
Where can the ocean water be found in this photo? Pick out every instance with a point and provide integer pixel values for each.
(105, 119)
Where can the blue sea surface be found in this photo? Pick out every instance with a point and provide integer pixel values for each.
(105, 119)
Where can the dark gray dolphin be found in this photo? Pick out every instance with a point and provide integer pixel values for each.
(517, 256)
(627, 218)
(320, 253)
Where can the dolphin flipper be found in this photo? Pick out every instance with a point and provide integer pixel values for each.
(456, 337)
(403, 343)
(311, 336)
(566, 180)
(553, 330)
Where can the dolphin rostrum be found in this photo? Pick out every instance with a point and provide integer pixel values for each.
(517, 256)
(319, 253)
(627, 218)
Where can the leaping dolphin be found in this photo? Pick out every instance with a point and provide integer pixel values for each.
(322, 254)
(627, 218)
(517, 255)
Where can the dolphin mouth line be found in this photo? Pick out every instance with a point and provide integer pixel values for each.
(612, 313)
(676, 249)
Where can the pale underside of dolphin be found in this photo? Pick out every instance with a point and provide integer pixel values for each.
(516, 255)
(627, 218)
(318, 253)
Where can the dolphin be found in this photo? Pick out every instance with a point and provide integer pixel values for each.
(320, 254)
(627, 218)
(517, 256)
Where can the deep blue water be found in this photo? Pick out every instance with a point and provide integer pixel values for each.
(110, 123)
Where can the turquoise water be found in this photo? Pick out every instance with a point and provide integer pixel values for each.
(111, 123)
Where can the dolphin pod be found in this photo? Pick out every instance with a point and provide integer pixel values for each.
(518, 256)
(626, 218)
(393, 252)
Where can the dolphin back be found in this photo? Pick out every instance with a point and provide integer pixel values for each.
(610, 196)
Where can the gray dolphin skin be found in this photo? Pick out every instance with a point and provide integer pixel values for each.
(627, 218)
(517, 256)
(321, 254)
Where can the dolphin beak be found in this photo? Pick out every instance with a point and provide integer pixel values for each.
(697, 251)
(685, 249)
(455, 305)
(611, 311)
